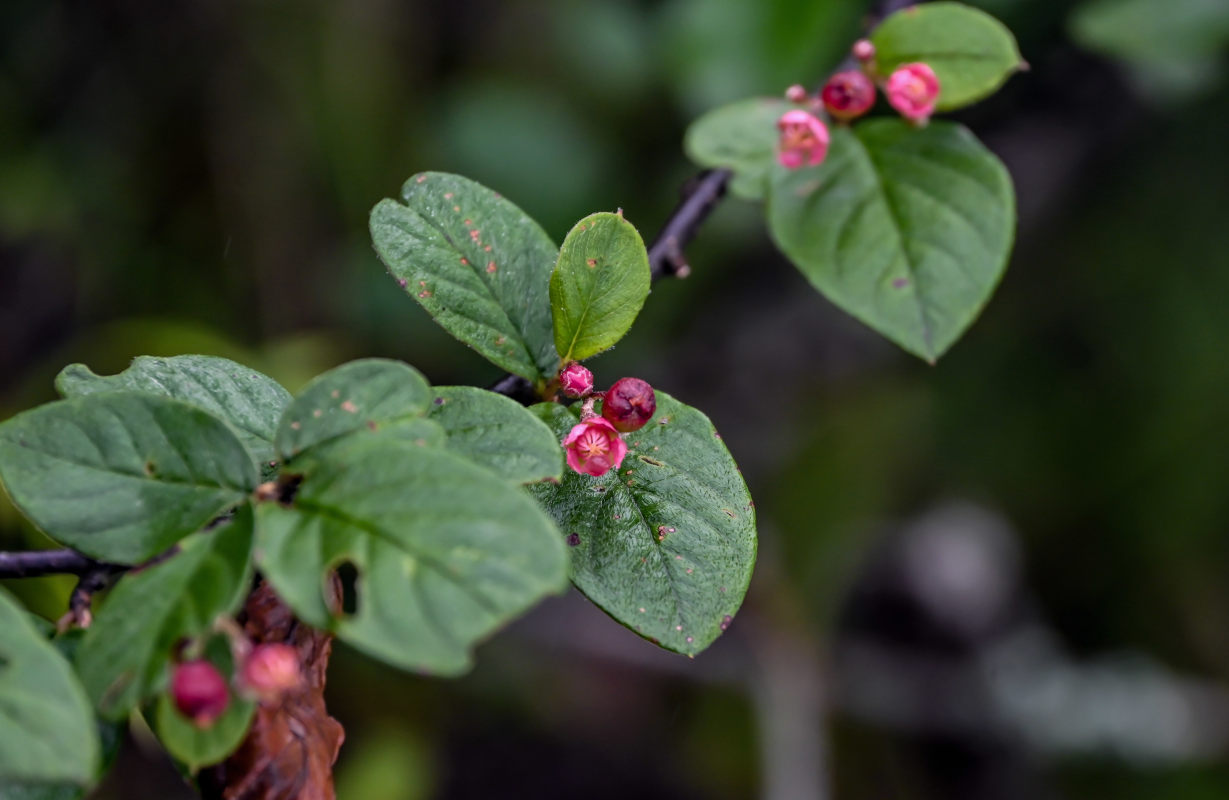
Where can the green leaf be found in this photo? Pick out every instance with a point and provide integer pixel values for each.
(446, 552)
(908, 230)
(599, 285)
(971, 52)
(1153, 31)
(122, 476)
(364, 395)
(123, 659)
(199, 747)
(251, 402)
(497, 433)
(666, 544)
(743, 137)
(47, 732)
(477, 263)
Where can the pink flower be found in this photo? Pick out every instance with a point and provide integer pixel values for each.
(271, 670)
(593, 447)
(913, 90)
(804, 139)
(863, 50)
(848, 95)
(575, 380)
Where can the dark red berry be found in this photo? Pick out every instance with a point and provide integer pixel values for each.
(199, 692)
(849, 94)
(629, 404)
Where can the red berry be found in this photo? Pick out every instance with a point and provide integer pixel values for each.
(848, 95)
(575, 380)
(271, 670)
(629, 404)
(200, 692)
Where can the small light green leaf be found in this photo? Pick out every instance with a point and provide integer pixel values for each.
(199, 747)
(743, 137)
(497, 433)
(908, 230)
(477, 263)
(123, 659)
(365, 395)
(599, 285)
(971, 52)
(202, 746)
(666, 544)
(446, 552)
(251, 402)
(122, 476)
(47, 732)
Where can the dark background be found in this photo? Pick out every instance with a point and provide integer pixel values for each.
(1000, 577)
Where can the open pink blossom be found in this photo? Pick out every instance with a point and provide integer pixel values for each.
(593, 447)
(804, 139)
(913, 90)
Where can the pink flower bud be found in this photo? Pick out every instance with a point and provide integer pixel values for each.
(913, 90)
(629, 404)
(863, 50)
(593, 447)
(199, 692)
(270, 671)
(796, 93)
(804, 139)
(575, 380)
(848, 95)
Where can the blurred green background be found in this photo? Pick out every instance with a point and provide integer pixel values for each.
(1001, 577)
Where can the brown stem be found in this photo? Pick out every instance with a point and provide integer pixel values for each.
(289, 752)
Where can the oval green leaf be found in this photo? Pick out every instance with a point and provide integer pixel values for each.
(478, 264)
(906, 229)
(123, 658)
(971, 52)
(250, 401)
(666, 544)
(497, 433)
(742, 137)
(199, 747)
(122, 476)
(599, 285)
(446, 552)
(364, 395)
(47, 731)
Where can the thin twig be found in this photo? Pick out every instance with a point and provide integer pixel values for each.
(37, 563)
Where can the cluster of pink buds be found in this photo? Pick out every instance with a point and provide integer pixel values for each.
(911, 89)
(594, 446)
(268, 672)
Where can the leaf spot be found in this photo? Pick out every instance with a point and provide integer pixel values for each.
(490, 267)
(349, 406)
(317, 413)
(573, 539)
(294, 426)
(900, 283)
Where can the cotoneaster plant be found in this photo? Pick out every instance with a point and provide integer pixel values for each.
(239, 528)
